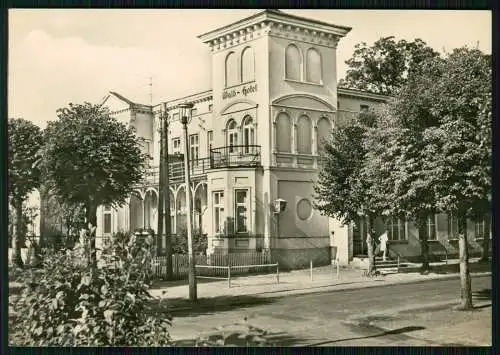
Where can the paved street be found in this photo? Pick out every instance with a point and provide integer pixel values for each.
(388, 315)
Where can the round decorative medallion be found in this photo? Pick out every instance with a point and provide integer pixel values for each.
(304, 209)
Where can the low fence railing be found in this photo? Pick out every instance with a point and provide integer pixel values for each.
(234, 156)
(215, 265)
(197, 167)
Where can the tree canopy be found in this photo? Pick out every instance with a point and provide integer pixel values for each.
(383, 68)
(25, 142)
(90, 157)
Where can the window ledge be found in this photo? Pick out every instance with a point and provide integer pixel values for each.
(481, 238)
(304, 82)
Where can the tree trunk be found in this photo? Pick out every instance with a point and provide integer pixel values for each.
(370, 245)
(16, 237)
(424, 244)
(465, 280)
(91, 214)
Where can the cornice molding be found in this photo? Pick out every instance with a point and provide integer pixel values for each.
(275, 24)
(362, 94)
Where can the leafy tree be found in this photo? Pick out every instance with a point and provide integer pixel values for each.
(435, 142)
(462, 170)
(341, 191)
(92, 159)
(25, 141)
(401, 153)
(384, 67)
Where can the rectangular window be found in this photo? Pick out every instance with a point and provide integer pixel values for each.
(397, 229)
(452, 227)
(233, 141)
(194, 111)
(176, 145)
(364, 108)
(482, 228)
(431, 228)
(210, 140)
(176, 116)
(210, 107)
(241, 211)
(218, 204)
(107, 220)
(194, 149)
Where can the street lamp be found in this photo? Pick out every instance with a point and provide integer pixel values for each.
(185, 113)
(279, 207)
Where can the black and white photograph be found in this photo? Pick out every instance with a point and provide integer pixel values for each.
(249, 178)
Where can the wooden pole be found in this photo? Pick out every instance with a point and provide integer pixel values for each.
(166, 198)
(191, 268)
(311, 269)
(277, 273)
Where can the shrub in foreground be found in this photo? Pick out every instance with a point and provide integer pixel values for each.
(67, 303)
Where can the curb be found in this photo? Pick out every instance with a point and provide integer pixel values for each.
(328, 288)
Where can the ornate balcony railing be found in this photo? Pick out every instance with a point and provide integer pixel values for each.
(235, 156)
(198, 168)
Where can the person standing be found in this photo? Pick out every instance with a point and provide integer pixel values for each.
(383, 244)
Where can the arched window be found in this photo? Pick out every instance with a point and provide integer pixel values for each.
(248, 134)
(231, 69)
(283, 133)
(293, 63)
(304, 135)
(313, 66)
(324, 131)
(247, 65)
(232, 135)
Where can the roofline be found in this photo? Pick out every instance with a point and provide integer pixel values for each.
(362, 94)
(201, 93)
(207, 36)
(122, 98)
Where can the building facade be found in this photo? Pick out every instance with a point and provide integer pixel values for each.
(254, 138)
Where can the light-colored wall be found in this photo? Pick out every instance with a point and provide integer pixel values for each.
(279, 86)
(292, 186)
(257, 97)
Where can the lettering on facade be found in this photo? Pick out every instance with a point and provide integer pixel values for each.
(245, 90)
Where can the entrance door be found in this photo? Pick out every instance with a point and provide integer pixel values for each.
(359, 238)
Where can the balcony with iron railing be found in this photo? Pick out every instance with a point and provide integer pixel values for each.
(197, 167)
(235, 156)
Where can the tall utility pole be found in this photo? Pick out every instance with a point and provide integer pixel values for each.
(185, 118)
(161, 179)
(166, 194)
(164, 191)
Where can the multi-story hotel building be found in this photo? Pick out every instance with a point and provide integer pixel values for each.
(255, 137)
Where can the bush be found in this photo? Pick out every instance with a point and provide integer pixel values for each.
(179, 242)
(67, 303)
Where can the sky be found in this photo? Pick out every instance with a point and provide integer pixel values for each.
(58, 56)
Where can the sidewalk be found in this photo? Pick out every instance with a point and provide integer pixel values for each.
(324, 279)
